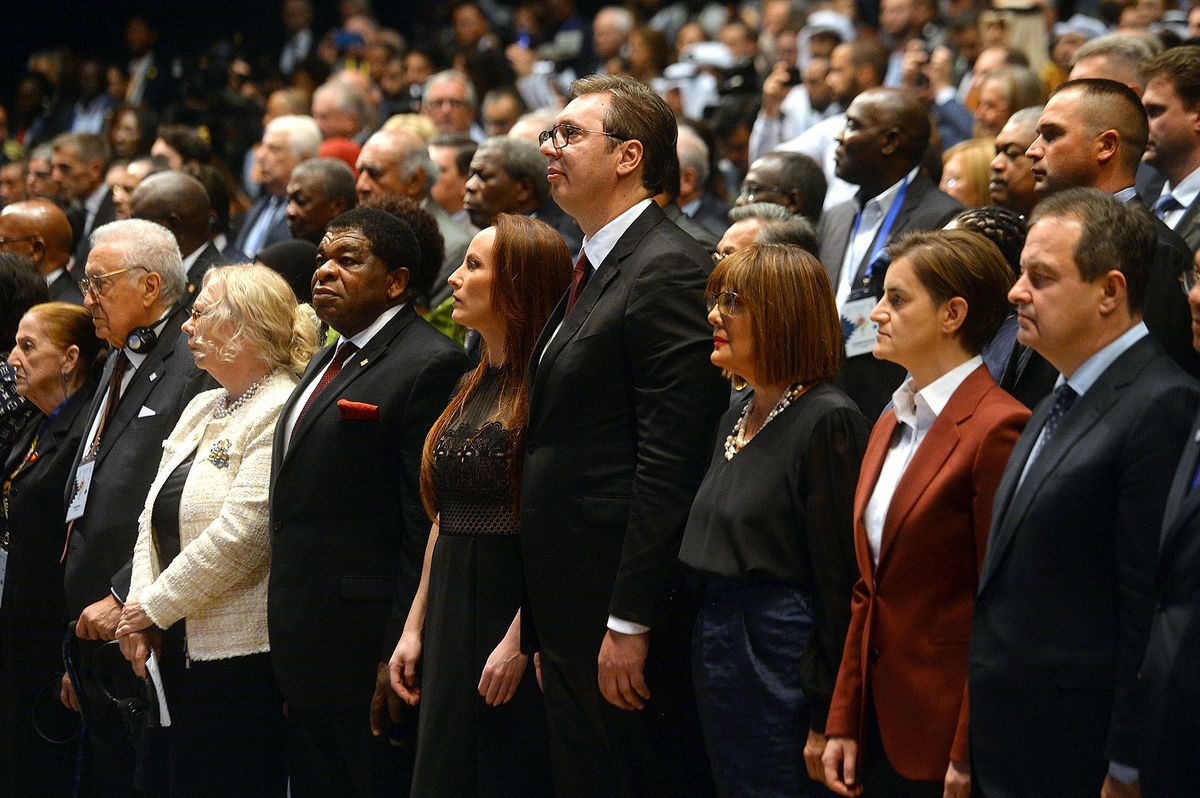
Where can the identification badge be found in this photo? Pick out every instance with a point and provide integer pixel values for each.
(83, 482)
(3, 570)
(856, 318)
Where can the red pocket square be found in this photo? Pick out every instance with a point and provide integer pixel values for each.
(357, 411)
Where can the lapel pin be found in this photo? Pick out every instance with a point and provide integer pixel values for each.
(364, 361)
(153, 376)
(1196, 437)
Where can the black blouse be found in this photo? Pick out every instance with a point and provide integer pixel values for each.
(781, 510)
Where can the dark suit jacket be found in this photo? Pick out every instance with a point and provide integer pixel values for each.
(690, 226)
(101, 543)
(1169, 693)
(1064, 602)
(348, 530)
(107, 212)
(33, 612)
(906, 649)
(65, 289)
(1166, 313)
(868, 381)
(712, 215)
(277, 232)
(622, 407)
(1188, 227)
(1031, 382)
(567, 227)
(209, 256)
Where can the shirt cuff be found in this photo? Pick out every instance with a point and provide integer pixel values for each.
(626, 627)
(945, 95)
(1122, 773)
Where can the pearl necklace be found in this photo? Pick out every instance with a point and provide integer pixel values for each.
(737, 440)
(228, 408)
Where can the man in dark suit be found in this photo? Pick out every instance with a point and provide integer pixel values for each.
(1064, 602)
(133, 281)
(346, 561)
(622, 404)
(286, 142)
(179, 203)
(1092, 133)
(880, 151)
(1169, 688)
(701, 206)
(39, 229)
(1172, 101)
(77, 168)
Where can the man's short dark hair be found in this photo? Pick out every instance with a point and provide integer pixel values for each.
(392, 241)
(186, 141)
(21, 287)
(800, 173)
(869, 52)
(1003, 227)
(1113, 235)
(463, 145)
(336, 178)
(1179, 66)
(1110, 105)
(636, 113)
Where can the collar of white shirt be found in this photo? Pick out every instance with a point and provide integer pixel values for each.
(1185, 193)
(919, 409)
(363, 338)
(599, 245)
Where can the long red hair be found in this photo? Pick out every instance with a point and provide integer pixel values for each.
(532, 270)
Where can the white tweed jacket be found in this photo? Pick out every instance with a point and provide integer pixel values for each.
(219, 579)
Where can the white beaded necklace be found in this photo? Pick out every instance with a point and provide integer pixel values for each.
(228, 408)
(737, 440)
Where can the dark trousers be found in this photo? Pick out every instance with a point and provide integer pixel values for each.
(599, 750)
(228, 732)
(332, 752)
(879, 778)
(108, 751)
(750, 640)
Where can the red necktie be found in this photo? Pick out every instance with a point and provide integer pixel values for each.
(580, 275)
(344, 350)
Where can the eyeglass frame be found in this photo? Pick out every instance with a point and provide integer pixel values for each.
(758, 190)
(727, 307)
(549, 135)
(1188, 279)
(95, 285)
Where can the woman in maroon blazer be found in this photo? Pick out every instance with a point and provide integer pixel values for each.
(898, 721)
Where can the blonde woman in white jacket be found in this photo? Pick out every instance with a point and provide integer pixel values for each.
(198, 594)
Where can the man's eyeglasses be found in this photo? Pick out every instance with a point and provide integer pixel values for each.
(752, 190)
(97, 284)
(563, 134)
(1189, 279)
(726, 302)
(446, 102)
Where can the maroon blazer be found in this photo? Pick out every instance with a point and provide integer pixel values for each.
(906, 649)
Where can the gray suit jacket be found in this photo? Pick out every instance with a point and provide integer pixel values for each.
(868, 381)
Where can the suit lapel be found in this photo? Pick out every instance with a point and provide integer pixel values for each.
(1087, 412)
(868, 476)
(1183, 502)
(355, 366)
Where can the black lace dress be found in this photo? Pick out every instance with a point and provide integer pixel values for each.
(465, 747)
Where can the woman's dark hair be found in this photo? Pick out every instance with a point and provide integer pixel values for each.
(67, 325)
(1004, 228)
(186, 141)
(147, 123)
(531, 270)
(21, 287)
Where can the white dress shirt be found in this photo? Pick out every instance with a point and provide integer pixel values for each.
(915, 413)
(1185, 193)
(873, 214)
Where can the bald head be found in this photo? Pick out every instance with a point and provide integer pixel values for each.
(179, 203)
(44, 228)
(886, 134)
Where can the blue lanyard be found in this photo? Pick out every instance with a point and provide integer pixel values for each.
(881, 237)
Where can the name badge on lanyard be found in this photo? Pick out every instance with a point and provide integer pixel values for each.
(858, 331)
(83, 483)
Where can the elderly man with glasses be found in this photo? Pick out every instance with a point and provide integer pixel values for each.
(133, 284)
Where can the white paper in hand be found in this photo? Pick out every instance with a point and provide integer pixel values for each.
(156, 680)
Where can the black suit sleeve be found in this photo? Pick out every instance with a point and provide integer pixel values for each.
(1147, 471)
(678, 397)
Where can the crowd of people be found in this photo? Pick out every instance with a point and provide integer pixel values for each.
(778, 398)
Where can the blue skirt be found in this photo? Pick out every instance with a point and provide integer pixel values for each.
(749, 640)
